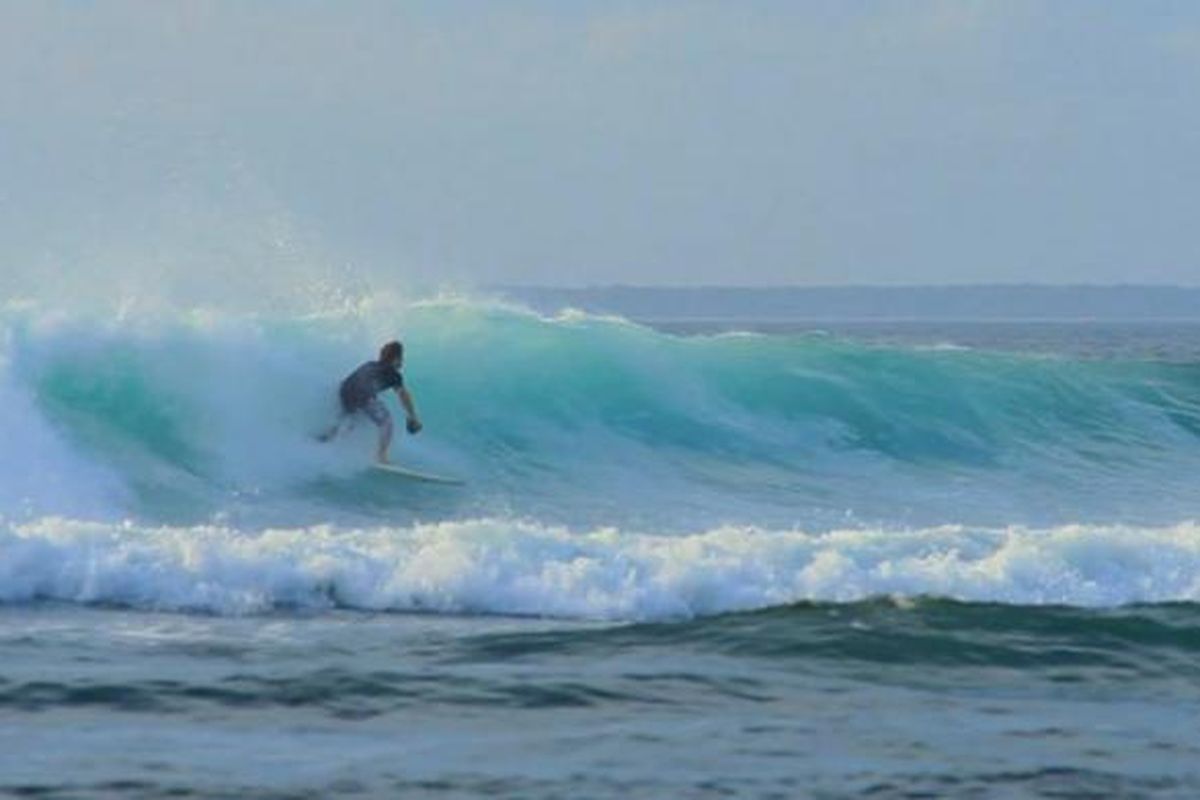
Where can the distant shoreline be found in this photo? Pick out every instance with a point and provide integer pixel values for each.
(1019, 302)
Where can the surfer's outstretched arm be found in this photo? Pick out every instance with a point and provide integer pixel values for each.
(414, 422)
(330, 433)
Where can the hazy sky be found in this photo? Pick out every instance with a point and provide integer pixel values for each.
(575, 142)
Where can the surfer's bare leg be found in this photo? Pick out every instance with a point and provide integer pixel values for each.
(385, 441)
(378, 413)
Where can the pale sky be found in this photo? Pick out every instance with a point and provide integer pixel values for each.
(574, 143)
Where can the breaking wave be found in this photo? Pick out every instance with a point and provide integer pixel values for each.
(503, 567)
(613, 471)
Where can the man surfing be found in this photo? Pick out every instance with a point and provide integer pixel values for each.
(358, 394)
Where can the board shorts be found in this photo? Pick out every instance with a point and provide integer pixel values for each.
(375, 410)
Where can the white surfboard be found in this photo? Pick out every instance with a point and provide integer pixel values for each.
(412, 474)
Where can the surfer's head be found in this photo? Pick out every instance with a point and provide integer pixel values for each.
(392, 353)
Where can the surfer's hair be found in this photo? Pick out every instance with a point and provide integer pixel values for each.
(390, 352)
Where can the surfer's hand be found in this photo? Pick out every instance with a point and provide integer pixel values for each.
(413, 425)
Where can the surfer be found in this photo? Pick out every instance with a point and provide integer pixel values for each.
(358, 394)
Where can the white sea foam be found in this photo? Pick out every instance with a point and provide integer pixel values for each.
(506, 567)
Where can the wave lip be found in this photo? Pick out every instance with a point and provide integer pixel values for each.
(498, 566)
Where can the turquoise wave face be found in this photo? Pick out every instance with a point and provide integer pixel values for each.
(589, 421)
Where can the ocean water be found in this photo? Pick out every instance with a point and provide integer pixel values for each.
(691, 559)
